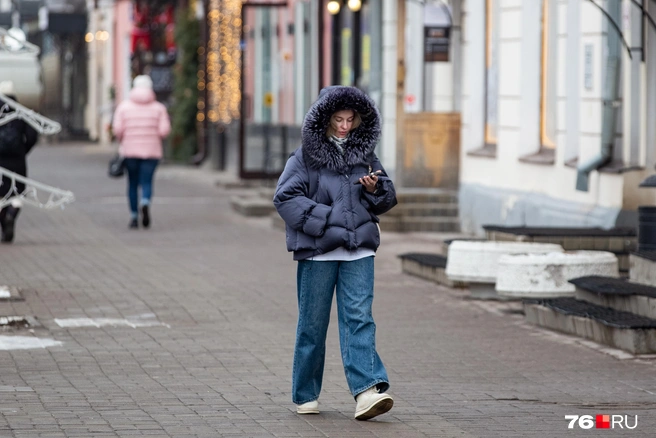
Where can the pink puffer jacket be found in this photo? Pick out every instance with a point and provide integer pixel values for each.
(140, 123)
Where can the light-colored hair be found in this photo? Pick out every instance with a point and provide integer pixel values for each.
(357, 120)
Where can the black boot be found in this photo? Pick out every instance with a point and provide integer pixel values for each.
(134, 224)
(145, 216)
(3, 214)
(8, 220)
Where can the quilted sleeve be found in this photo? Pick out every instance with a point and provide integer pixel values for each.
(291, 201)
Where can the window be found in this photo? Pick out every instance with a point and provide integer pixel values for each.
(548, 118)
(491, 71)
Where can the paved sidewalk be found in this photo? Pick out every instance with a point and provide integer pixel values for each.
(210, 298)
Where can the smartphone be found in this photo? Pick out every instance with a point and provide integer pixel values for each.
(375, 173)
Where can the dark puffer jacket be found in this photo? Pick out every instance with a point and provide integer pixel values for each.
(316, 196)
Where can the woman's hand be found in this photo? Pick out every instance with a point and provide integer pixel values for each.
(369, 183)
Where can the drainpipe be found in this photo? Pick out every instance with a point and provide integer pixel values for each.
(610, 109)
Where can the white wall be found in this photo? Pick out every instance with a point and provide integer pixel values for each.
(414, 57)
(519, 104)
(440, 74)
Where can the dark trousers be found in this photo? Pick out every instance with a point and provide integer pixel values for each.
(140, 174)
(7, 214)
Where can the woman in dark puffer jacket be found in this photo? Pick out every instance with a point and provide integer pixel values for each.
(330, 195)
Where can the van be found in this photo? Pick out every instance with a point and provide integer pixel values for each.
(24, 70)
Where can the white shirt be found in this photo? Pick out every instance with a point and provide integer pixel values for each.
(344, 255)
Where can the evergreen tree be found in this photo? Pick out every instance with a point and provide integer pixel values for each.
(185, 91)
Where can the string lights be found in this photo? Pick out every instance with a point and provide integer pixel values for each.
(195, 6)
(223, 61)
(200, 115)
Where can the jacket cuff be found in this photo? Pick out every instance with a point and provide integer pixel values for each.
(372, 196)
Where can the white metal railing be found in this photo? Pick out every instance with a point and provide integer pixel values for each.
(11, 110)
(52, 198)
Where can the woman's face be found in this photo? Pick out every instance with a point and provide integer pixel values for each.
(342, 122)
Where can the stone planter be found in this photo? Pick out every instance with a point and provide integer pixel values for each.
(476, 263)
(548, 275)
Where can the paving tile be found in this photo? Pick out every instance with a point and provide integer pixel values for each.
(222, 289)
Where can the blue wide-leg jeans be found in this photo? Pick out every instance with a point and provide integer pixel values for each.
(140, 173)
(353, 282)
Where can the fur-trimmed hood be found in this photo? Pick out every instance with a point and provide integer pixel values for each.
(318, 151)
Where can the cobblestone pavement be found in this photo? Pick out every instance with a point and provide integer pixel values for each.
(210, 297)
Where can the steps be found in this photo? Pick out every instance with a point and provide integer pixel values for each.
(611, 311)
(402, 224)
(425, 195)
(255, 203)
(618, 294)
(428, 266)
(418, 210)
(252, 206)
(423, 210)
(624, 330)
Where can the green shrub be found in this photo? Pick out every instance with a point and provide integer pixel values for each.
(185, 92)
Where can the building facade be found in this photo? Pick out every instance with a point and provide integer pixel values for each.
(558, 103)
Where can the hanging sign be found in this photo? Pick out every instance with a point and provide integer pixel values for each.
(437, 32)
(436, 43)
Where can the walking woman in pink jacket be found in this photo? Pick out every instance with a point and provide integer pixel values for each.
(140, 123)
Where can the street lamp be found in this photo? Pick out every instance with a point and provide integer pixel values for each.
(355, 5)
(333, 7)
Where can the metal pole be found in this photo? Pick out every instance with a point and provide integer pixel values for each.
(242, 104)
(400, 89)
(320, 58)
(357, 48)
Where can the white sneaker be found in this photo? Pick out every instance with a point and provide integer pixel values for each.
(371, 403)
(311, 407)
